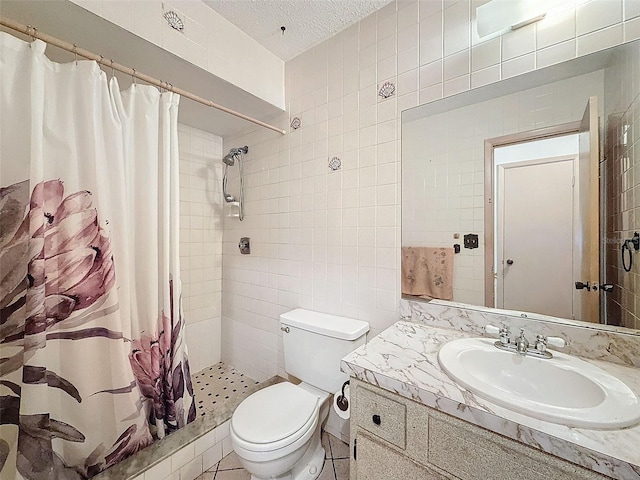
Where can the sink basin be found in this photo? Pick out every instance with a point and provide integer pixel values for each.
(564, 389)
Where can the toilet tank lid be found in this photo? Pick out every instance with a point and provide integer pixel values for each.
(324, 324)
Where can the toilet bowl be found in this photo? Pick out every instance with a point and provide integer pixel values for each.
(276, 431)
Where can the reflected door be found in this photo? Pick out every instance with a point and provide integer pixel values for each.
(535, 225)
(589, 223)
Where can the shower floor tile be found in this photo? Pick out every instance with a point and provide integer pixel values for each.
(336, 465)
(213, 386)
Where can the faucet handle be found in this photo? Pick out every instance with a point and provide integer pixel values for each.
(503, 331)
(505, 335)
(491, 329)
(542, 342)
(556, 342)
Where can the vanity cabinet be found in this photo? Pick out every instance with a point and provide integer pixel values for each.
(376, 461)
(395, 438)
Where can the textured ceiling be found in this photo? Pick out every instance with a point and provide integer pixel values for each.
(308, 22)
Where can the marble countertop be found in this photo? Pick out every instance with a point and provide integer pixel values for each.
(404, 359)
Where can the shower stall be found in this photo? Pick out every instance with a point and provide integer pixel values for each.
(69, 220)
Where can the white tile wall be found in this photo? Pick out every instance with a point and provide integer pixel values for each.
(190, 461)
(457, 31)
(632, 30)
(559, 28)
(631, 9)
(486, 54)
(557, 53)
(456, 65)
(329, 241)
(160, 470)
(592, 15)
(518, 65)
(182, 457)
(519, 42)
(485, 76)
(600, 39)
(201, 242)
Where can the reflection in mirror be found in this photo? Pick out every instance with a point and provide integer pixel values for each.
(534, 221)
(545, 169)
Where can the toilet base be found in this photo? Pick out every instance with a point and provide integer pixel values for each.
(313, 463)
(308, 467)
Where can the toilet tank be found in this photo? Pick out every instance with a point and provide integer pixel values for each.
(315, 342)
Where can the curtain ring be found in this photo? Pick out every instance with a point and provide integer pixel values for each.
(113, 72)
(75, 52)
(133, 76)
(32, 32)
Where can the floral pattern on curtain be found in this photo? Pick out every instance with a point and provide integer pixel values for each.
(164, 384)
(93, 362)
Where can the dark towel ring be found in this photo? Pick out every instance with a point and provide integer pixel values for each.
(625, 246)
(628, 244)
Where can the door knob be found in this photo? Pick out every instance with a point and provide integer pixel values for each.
(582, 285)
(509, 262)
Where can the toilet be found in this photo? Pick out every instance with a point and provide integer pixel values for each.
(276, 431)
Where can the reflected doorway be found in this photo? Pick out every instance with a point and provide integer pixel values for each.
(535, 213)
(542, 220)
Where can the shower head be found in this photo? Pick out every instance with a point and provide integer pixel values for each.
(230, 158)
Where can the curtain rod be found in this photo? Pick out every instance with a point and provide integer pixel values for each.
(34, 33)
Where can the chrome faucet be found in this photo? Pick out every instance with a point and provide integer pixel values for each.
(521, 344)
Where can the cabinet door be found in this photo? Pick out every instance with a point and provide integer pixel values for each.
(378, 462)
(472, 453)
(381, 416)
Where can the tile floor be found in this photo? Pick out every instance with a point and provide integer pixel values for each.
(213, 385)
(336, 464)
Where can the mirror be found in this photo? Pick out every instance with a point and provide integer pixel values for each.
(535, 182)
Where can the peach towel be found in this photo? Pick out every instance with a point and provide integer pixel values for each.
(427, 272)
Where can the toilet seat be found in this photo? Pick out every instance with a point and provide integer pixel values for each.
(275, 417)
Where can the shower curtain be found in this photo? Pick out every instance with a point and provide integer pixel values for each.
(93, 362)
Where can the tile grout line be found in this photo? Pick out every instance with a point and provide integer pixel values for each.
(335, 475)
